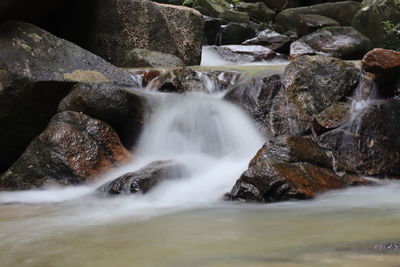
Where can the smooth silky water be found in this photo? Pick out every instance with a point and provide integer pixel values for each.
(185, 222)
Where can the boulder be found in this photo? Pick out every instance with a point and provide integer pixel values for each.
(122, 109)
(334, 116)
(242, 54)
(369, 19)
(73, 149)
(235, 33)
(278, 5)
(257, 11)
(37, 70)
(313, 83)
(256, 97)
(382, 61)
(289, 148)
(123, 25)
(342, 12)
(270, 39)
(187, 80)
(272, 181)
(369, 144)
(309, 23)
(144, 179)
(335, 41)
(145, 58)
(221, 9)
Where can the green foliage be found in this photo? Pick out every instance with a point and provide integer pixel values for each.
(235, 1)
(392, 38)
(189, 3)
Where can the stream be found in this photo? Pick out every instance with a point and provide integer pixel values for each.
(185, 222)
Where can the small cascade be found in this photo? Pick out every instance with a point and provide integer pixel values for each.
(364, 94)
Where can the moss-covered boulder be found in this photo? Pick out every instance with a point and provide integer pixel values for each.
(368, 20)
(221, 9)
(342, 12)
(257, 11)
(146, 58)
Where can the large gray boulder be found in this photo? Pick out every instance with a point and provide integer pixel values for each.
(123, 25)
(336, 41)
(74, 149)
(37, 70)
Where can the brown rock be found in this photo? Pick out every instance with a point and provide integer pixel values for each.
(381, 61)
(271, 181)
(334, 116)
(73, 149)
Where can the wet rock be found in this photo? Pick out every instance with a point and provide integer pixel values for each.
(188, 80)
(334, 116)
(278, 5)
(368, 20)
(272, 181)
(313, 83)
(146, 58)
(257, 11)
(147, 75)
(386, 247)
(270, 39)
(340, 42)
(370, 143)
(144, 179)
(123, 25)
(292, 149)
(121, 109)
(236, 33)
(212, 30)
(342, 12)
(310, 22)
(37, 70)
(256, 97)
(242, 54)
(221, 9)
(73, 149)
(382, 61)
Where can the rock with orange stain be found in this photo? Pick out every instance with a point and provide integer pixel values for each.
(272, 181)
(381, 61)
(73, 149)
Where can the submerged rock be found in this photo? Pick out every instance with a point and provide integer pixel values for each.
(272, 181)
(342, 12)
(369, 144)
(340, 42)
(270, 39)
(123, 25)
(73, 149)
(121, 109)
(37, 70)
(242, 54)
(144, 179)
(313, 83)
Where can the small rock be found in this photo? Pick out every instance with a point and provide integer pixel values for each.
(145, 58)
(270, 39)
(236, 33)
(334, 116)
(242, 54)
(144, 179)
(257, 11)
(311, 22)
(382, 61)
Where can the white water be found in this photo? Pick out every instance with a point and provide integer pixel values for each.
(214, 139)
